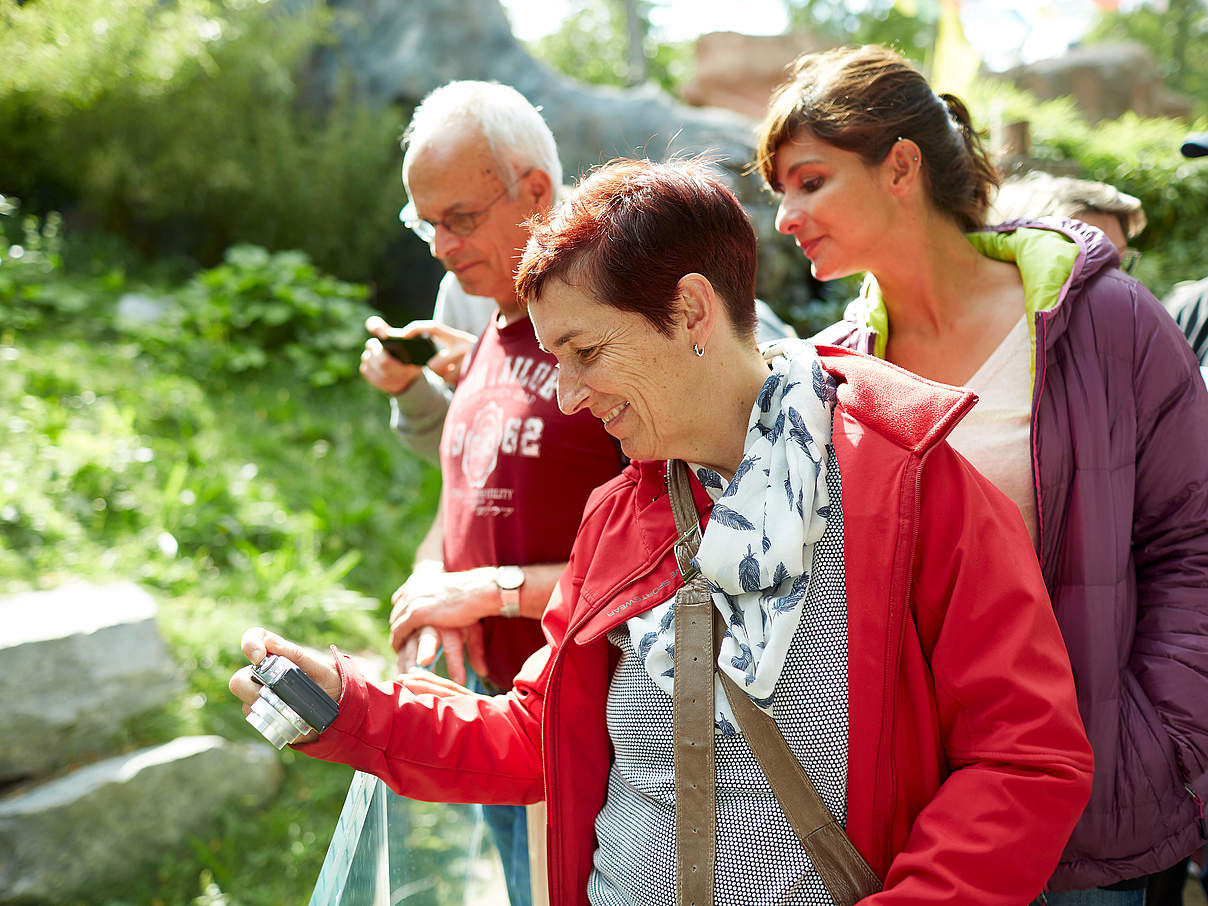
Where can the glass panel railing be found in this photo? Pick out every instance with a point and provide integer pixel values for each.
(388, 850)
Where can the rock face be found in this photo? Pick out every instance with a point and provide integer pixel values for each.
(1105, 80)
(91, 829)
(74, 663)
(398, 52)
(395, 53)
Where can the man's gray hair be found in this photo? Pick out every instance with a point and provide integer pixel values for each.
(1040, 194)
(517, 136)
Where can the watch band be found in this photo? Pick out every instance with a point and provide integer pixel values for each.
(509, 579)
(511, 602)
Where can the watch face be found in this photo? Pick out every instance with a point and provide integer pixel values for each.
(509, 576)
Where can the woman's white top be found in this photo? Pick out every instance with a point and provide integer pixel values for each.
(996, 436)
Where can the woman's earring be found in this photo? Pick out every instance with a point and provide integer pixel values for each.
(699, 352)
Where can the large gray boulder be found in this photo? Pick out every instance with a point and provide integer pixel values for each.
(398, 52)
(75, 663)
(395, 53)
(108, 822)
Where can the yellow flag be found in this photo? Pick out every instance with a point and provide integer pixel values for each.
(954, 62)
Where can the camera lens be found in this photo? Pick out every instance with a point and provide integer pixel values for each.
(275, 720)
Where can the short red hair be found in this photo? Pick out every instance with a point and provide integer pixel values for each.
(633, 228)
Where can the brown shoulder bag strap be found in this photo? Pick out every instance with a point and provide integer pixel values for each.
(692, 704)
(847, 877)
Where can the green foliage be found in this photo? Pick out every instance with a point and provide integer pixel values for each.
(239, 498)
(259, 310)
(1177, 35)
(1137, 155)
(255, 311)
(591, 46)
(181, 125)
(874, 22)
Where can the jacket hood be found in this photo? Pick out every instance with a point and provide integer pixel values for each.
(1055, 257)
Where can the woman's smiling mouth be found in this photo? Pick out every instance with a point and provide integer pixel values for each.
(614, 412)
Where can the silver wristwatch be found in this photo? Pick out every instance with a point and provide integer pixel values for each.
(509, 579)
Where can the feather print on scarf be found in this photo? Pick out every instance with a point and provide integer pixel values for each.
(758, 547)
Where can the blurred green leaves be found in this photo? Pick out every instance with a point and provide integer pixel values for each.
(184, 127)
(220, 450)
(1135, 154)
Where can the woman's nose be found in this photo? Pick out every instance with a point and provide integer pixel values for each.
(788, 218)
(571, 394)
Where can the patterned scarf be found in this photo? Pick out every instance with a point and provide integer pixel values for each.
(758, 547)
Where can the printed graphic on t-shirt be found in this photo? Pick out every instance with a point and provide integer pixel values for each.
(503, 426)
(516, 473)
(534, 376)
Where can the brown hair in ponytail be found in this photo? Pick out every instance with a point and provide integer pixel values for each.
(863, 100)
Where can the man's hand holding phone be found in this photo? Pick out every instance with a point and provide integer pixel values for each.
(415, 350)
(393, 356)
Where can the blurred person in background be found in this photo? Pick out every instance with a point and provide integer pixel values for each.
(1091, 418)
(1038, 194)
(1188, 301)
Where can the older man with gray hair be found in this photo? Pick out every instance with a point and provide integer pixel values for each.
(516, 473)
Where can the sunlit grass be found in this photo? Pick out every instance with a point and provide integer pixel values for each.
(236, 500)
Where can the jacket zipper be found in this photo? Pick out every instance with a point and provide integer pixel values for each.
(1199, 807)
(905, 603)
(556, 843)
(1041, 367)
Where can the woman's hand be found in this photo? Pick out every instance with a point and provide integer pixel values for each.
(257, 644)
(424, 682)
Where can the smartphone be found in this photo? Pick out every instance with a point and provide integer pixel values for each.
(412, 350)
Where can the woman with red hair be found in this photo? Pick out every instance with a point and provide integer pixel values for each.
(872, 599)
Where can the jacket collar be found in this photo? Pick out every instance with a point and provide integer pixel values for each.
(909, 410)
(632, 569)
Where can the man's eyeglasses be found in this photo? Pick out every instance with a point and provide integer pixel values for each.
(459, 223)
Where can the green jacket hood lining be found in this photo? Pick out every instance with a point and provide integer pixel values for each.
(1045, 258)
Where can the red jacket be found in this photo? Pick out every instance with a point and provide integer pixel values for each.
(968, 764)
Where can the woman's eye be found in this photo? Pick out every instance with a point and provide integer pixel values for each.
(813, 184)
(587, 353)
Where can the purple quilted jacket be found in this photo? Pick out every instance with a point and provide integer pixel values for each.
(1120, 464)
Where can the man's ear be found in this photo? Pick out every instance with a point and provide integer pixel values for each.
(698, 303)
(538, 189)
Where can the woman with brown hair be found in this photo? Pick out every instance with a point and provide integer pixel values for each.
(1092, 419)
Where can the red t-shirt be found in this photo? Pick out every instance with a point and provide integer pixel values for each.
(516, 474)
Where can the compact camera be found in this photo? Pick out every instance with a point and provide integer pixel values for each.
(290, 703)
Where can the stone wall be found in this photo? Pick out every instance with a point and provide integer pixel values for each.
(740, 72)
(1105, 81)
